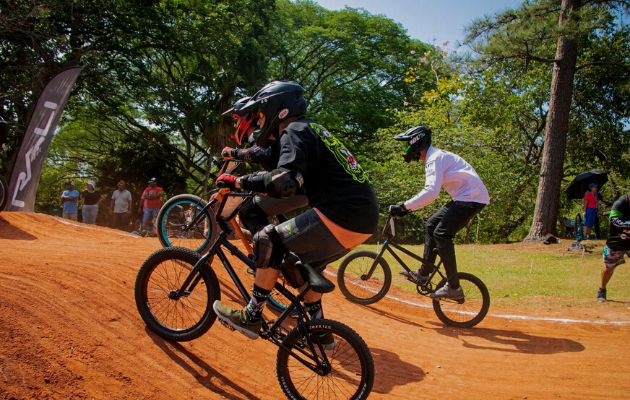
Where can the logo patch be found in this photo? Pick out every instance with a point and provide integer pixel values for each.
(283, 113)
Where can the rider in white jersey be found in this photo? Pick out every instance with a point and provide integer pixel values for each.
(469, 195)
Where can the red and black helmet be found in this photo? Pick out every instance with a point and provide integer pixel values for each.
(243, 120)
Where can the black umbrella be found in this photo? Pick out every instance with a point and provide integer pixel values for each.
(579, 186)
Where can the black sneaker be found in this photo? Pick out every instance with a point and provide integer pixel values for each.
(415, 277)
(601, 295)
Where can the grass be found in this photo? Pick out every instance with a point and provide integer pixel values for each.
(525, 275)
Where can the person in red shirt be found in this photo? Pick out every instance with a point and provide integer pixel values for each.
(590, 209)
(150, 202)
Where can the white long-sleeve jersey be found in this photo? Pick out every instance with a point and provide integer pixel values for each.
(461, 182)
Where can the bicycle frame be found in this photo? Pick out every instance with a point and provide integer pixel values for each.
(387, 236)
(271, 333)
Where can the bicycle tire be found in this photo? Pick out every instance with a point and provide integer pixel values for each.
(443, 310)
(338, 356)
(148, 309)
(4, 192)
(172, 216)
(377, 288)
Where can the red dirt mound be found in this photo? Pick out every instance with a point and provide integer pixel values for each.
(70, 330)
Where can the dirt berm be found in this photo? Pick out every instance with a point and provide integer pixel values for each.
(69, 329)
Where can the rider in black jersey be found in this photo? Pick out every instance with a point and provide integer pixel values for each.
(343, 211)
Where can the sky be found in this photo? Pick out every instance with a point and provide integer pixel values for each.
(427, 19)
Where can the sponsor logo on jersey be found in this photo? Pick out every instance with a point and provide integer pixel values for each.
(341, 153)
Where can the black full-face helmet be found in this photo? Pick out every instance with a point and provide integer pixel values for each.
(417, 138)
(276, 101)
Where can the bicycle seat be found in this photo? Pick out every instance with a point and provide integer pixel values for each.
(317, 282)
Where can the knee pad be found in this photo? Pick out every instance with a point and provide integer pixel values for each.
(268, 248)
(253, 217)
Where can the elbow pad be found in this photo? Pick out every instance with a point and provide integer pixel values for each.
(277, 183)
(283, 183)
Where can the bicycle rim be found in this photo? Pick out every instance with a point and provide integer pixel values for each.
(181, 314)
(469, 312)
(351, 367)
(355, 283)
(179, 214)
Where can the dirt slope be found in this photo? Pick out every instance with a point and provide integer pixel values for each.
(70, 330)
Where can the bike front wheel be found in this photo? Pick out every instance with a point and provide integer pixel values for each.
(171, 317)
(363, 277)
(347, 374)
(180, 224)
(469, 312)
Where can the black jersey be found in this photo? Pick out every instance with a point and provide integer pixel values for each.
(619, 224)
(334, 181)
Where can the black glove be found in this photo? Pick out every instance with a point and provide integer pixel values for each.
(398, 210)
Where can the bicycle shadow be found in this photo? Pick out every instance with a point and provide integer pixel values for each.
(190, 362)
(11, 232)
(510, 341)
(392, 371)
(393, 317)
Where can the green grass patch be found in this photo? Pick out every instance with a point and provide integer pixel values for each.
(524, 275)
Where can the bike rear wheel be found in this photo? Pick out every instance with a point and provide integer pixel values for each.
(357, 284)
(160, 277)
(472, 310)
(175, 223)
(351, 373)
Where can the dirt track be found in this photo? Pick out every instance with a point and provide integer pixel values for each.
(70, 330)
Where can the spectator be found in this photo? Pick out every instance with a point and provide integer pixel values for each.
(91, 199)
(150, 203)
(120, 206)
(618, 243)
(70, 199)
(591, 201)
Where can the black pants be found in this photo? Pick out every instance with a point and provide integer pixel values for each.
(440, 231)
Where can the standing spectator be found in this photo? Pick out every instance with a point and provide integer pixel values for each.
(591, 200)
(150, 203)
(70, 199)
(120, 206)
(91, 199)
(618, 243)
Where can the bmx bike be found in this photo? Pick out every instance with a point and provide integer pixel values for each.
(176, 287)
(365, 277)
(189, 221)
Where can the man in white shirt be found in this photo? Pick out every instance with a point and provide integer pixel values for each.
(469, 196)
(120, 206)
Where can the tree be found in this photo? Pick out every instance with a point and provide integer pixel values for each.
(352, 64)
(526, 36)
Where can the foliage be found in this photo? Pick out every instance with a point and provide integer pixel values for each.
(351, 63)
(92, 148)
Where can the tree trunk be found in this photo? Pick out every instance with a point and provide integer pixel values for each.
(551, 170)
